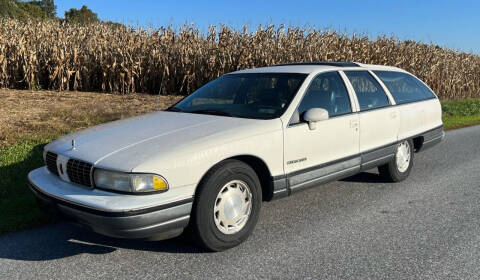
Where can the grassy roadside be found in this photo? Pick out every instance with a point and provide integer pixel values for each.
(21, 149)
(17, 204)
(29, 120)
(460, 113)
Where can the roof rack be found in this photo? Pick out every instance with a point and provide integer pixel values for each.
(338, 64)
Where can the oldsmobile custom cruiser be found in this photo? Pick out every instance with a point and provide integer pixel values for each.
(207, 163)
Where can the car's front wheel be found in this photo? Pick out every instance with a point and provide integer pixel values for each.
(227, 206)
(400, 166)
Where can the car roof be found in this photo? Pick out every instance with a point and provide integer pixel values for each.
(309, 67)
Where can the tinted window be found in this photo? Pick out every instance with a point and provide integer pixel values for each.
(370, 94)
(255, 95)
(326, 91)
(403, 87)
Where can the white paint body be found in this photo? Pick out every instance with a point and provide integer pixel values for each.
(182, 147)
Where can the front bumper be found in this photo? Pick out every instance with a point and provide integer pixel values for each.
(102, 211)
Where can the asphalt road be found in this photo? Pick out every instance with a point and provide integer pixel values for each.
(427, 227)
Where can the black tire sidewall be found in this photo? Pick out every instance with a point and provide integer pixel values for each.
(399, 176)
(204, 225)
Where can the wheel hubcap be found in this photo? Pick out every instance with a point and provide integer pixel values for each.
(403, 156)
(232, 207)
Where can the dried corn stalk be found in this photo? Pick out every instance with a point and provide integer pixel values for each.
(107, 58)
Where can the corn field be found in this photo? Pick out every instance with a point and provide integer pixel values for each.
(108, 58)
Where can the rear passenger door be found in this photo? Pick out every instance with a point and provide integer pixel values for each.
(379, 120)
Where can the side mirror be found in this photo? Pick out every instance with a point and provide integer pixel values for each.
(315, 115)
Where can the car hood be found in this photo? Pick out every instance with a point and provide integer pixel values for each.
(124, 144)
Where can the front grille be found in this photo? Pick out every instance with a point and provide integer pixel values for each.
(51, 162)
(79, 172)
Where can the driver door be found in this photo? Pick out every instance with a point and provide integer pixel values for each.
(332, 149)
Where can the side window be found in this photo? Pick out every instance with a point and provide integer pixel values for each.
(403, 87)
(326, 91)
(370, 94)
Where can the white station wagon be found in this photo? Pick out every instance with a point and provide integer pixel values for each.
(209, 161)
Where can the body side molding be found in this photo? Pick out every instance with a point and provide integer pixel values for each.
(284, 185)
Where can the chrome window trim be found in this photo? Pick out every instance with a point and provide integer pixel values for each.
(385, 90)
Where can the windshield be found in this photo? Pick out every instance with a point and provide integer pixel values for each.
(255, 95)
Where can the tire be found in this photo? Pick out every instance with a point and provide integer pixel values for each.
(222, 197)
(395, 171)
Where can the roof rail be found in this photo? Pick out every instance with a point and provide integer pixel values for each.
(338, 64)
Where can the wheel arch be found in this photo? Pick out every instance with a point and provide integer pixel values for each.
(417, 143)
(258, 165)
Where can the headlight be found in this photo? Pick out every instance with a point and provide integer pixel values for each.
(129, 182)
(148, 183)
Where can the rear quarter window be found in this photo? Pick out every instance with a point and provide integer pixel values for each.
(404, 87)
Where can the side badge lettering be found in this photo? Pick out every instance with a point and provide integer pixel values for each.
(296, 160)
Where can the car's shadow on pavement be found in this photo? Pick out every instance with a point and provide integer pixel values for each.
(366, 177)
(63, 239)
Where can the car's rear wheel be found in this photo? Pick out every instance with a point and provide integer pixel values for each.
(400, 166)
(227, 206)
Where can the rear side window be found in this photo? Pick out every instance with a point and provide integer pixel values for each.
(327, 91)
(370, 94)
(403, 87)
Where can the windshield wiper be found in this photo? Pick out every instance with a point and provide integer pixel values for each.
(173, 109)
(211, 112)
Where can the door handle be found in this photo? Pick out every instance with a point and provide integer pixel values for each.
(354, 124)
(393, 115)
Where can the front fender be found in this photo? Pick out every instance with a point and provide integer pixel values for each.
(187, 166)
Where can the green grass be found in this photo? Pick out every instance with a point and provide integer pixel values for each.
(460, 121)
(17, 203)
(460, 113)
